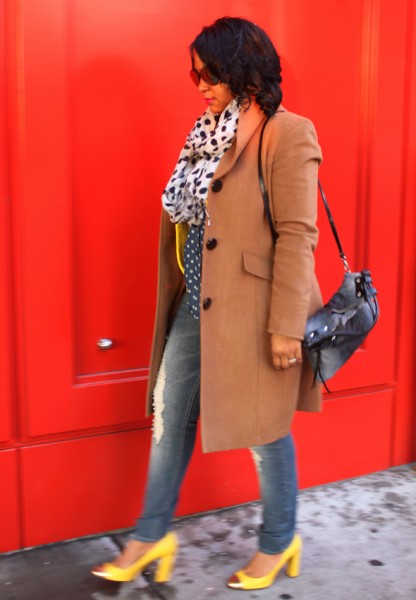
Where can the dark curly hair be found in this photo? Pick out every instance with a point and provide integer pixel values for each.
(242, 55)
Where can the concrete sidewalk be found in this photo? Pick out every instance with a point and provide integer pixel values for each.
(359, 544)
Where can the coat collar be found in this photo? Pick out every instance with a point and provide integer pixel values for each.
(248, 123)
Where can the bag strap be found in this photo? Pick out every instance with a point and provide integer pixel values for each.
(263, 189)
(334, 229)
(266, 203)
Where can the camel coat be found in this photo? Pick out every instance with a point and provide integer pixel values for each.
(250, 287)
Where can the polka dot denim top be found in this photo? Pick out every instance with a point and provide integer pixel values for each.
(192, 257)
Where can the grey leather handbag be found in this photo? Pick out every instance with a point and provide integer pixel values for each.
(336, 330)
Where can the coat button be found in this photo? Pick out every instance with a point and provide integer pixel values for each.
(211, 243)
(216, 185)
(206, 303)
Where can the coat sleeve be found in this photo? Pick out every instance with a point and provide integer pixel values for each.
(294, 203)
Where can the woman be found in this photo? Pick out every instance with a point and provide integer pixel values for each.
(233, 304)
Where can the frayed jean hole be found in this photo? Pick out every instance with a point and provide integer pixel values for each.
(257, 458)
(158, 402)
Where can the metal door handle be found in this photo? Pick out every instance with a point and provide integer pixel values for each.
(105, 344)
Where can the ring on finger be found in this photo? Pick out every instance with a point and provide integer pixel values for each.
(292, 361)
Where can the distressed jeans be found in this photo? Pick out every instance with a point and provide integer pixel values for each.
(176, 412)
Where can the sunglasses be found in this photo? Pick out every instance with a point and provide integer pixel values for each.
(204, 74)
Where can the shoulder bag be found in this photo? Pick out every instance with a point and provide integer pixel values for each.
(336, 330)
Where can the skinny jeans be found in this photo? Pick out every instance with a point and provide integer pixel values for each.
(176, 412)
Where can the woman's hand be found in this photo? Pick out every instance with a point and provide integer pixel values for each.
(286, 351)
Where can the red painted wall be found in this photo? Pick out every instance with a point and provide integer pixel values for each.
(95, 104)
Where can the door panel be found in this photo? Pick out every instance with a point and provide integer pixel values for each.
(341, 85)
(106, 484)
(94, 484)
(114, 193)
(70, 246)
(82, 486)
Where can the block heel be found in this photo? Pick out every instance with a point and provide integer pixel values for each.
(164, 568)
(293, 564)
(290, 557)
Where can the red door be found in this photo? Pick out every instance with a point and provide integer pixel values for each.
(97, 106)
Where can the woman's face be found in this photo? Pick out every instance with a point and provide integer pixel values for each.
(218, 96)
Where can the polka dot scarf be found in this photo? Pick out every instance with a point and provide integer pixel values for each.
(185, 195)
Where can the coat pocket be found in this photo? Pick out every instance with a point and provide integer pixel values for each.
(259, 265)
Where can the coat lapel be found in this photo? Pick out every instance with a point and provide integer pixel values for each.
(248, 123)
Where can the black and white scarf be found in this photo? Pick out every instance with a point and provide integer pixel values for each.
(185, 195)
